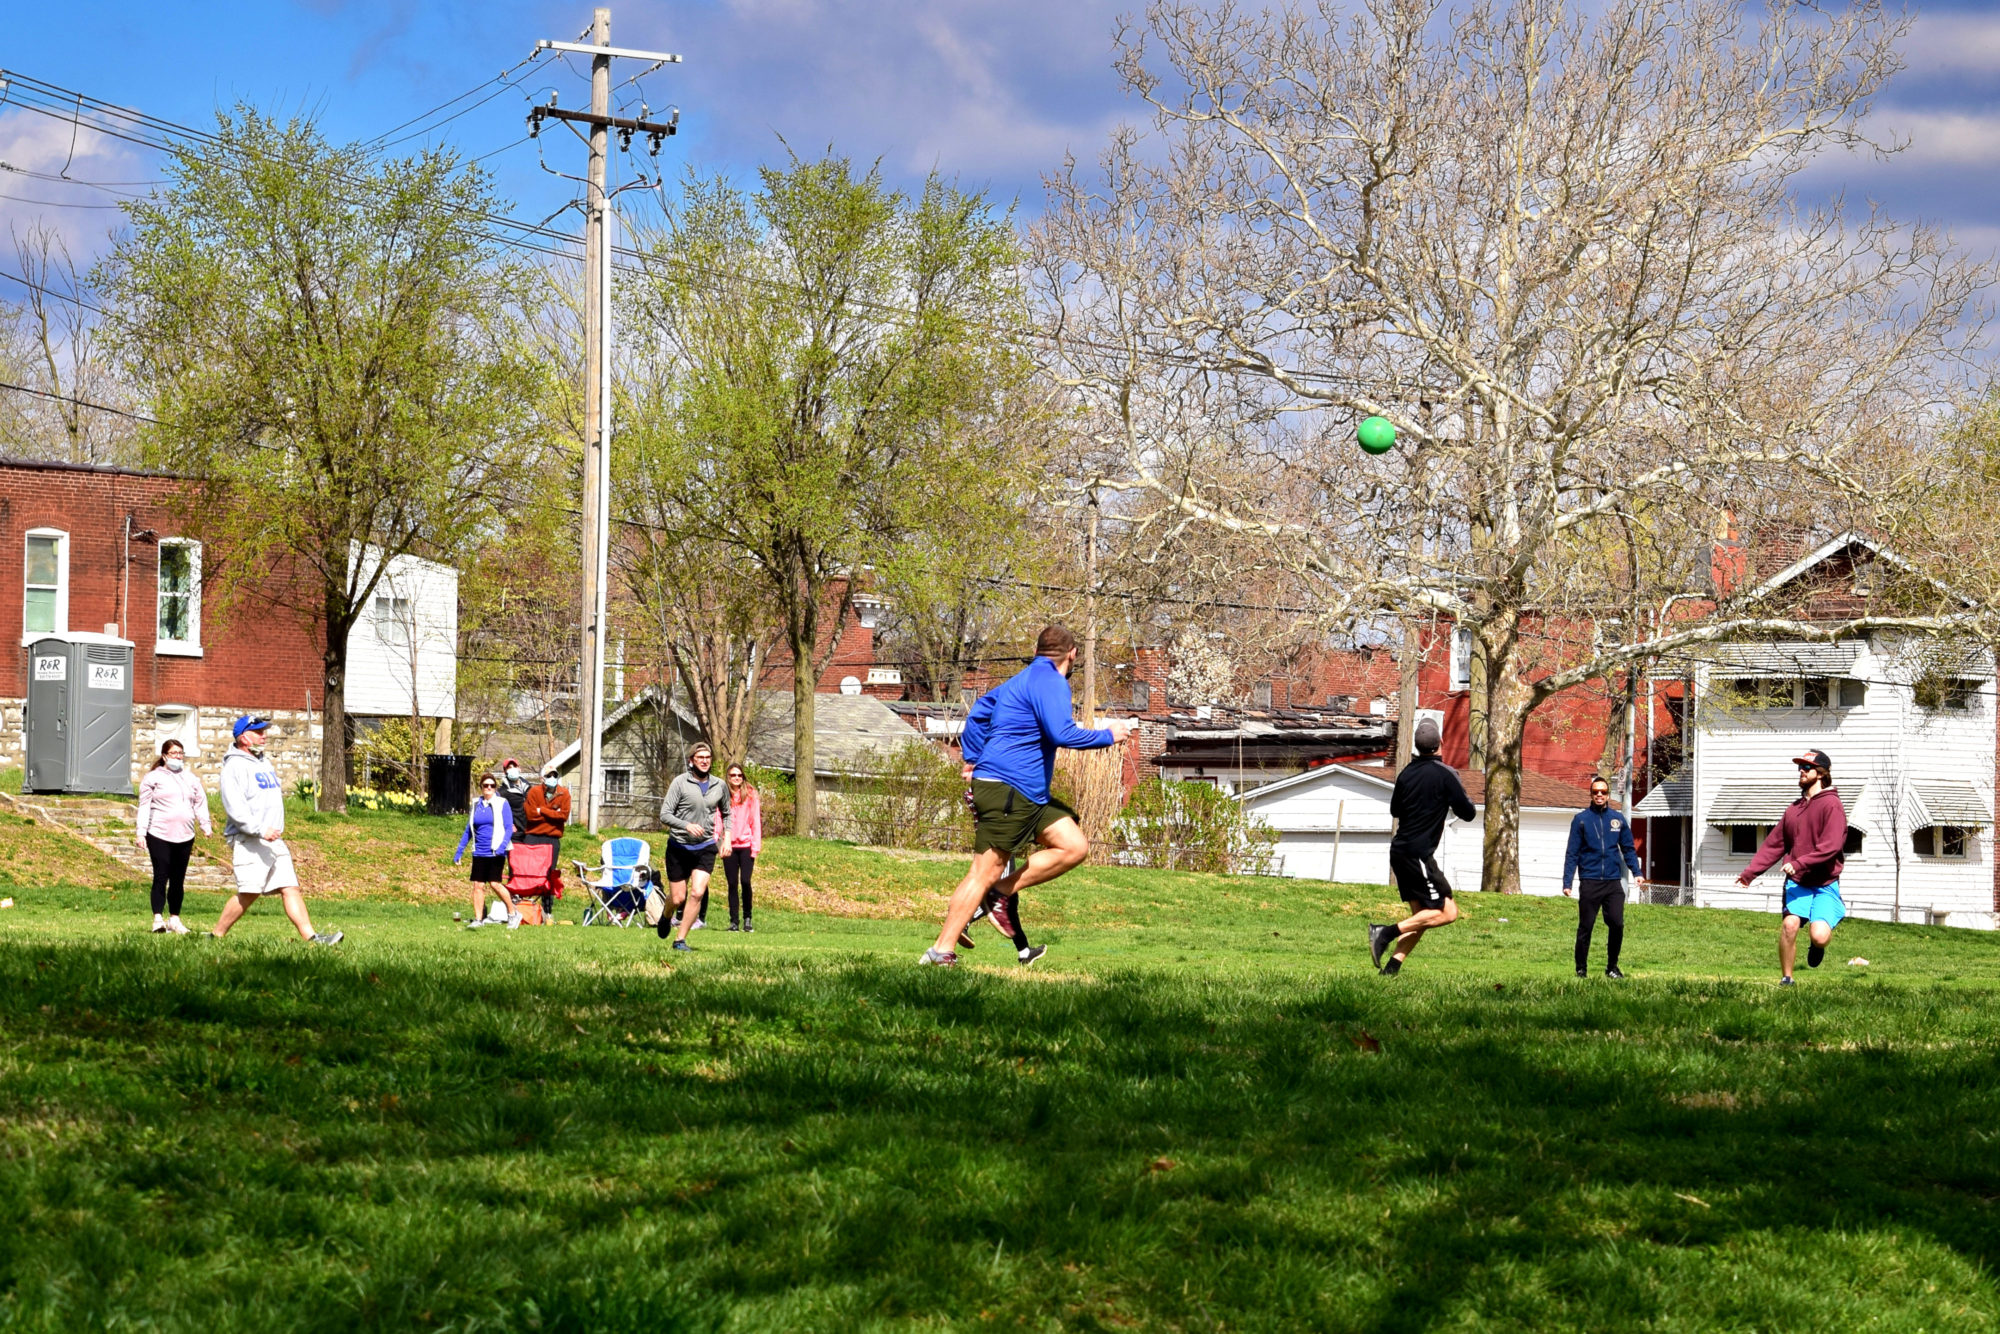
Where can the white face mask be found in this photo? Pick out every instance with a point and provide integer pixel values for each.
(550, 781)
(512, 773)
(174, 763)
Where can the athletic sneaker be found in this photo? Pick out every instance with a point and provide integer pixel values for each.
(475, 924)
(328, 937)
(698, 924)
(1613, 973)
(1032, 953)
(683, 945)
(965, 940)
(1380, 938)
(746, 925)
(513, 921)
(1583, 972)
(735, 927)
(159, 924)
(175, 925)
(1393, 967)
(1003, 921)
(938, 958)
(1785, 982)
(1814, 955)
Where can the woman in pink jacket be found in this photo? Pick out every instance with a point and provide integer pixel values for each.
(746, 840)
(171, 803)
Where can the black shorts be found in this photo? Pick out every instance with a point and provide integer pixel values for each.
(489, 870)
(1005, 820)
(1418, 880)
(684, 862)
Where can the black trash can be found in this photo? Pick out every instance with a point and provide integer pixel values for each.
(450, 784)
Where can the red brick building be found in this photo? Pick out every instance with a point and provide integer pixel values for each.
(103, 549)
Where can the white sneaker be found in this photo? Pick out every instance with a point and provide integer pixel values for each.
(174, 925)
(159, 924)
(513, 921)
(698, 924)
(475, 924)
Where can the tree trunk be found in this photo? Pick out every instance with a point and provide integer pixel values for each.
(804, 625)
(333, 720)
(1509, 701)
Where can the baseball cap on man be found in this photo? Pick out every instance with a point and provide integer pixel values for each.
(249, 722)
(1817, 758)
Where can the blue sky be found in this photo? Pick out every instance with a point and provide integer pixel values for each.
(993, 91)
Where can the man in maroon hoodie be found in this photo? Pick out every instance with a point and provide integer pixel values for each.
(1809, 842)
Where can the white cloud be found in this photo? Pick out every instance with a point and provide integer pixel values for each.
(1958, 138)
(1968, 43)
(31, 142)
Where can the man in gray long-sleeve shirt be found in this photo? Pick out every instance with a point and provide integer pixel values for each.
(692, 812)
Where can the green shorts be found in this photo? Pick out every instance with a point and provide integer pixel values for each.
(1006, 821)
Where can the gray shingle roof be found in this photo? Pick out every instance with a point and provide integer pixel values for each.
(845, 729)
(1764, 803)
(1949, 801)
(1787, 659)
(1672, 795)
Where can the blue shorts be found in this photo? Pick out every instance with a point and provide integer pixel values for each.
(1814, 905)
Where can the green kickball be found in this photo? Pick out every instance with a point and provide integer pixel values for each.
(1377, 435)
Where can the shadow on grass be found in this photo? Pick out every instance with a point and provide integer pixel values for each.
(462, 1141)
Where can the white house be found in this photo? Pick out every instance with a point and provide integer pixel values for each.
(1911, 736)
(1333, 823)
(402, 654)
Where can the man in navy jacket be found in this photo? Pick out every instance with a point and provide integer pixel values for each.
(1009, 742)
(1600, 848)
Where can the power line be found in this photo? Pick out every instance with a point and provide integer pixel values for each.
(501, 77)
(81, 402)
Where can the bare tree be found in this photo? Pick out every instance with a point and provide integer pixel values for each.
(1558, 247)
(69, 399)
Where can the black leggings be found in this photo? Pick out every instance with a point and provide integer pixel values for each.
(170, 865)
(1590, 896)
(736, 869)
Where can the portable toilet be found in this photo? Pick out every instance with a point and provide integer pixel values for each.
(79, 715)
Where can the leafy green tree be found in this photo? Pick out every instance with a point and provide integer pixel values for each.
(823, 343)
(323, 337)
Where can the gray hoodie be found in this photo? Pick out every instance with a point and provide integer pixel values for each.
(252, 797)
(686, 804)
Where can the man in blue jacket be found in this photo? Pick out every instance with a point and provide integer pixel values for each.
(1009, 743)
(1600, 847)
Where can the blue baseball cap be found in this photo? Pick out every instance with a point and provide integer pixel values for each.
(249, 722)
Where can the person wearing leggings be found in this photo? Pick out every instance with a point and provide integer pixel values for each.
(171, 803)
(1600, 851)
(746, 840)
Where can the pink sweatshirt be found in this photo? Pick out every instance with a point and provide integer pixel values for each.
(746, 821)
(170, 803)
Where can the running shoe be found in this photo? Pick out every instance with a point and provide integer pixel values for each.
(475, 924)
(1380, 938)
(159, 925)
(735, 927)
(1393, 967)
(683, 945)
(938, 958)
(513, 921)
(698, 924)
(176, 926)
(1815, 955)
(1785, 982)
(1613, 973)
(965, 940)
(1003, 920)
(1032, 953)
(1583, 972)
(328, 937)
(746, 925)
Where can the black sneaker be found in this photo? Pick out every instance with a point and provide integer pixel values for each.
(964, 940)
(1785, 982)
(1032, 953)
(1815, 956)
(734, 927)
(1393, 967)
(1613, 973)
(1583, 972)
(1380, 938)
(746, 925)
(683, 946)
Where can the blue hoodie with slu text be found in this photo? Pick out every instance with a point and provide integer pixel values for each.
(1013, 730)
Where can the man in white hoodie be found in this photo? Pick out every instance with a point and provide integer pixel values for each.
(254, 801)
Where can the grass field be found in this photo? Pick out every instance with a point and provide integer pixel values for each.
(1202, 1111)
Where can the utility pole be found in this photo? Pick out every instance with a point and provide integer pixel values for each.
(597, 381)
(1090, 620)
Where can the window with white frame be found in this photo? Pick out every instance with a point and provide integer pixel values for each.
(1949, 841)
(45, 582)
(1461, 658)
(393, 623)
(1745, 839)
(180, 597)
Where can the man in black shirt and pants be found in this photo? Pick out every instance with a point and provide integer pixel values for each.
(1426, 792)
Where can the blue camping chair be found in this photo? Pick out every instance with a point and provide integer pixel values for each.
(617, 885)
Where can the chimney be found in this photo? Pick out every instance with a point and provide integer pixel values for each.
(1149, 669)
(1727, 563)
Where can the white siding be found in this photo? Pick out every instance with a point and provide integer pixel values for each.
(388, 661)
(1883, 746)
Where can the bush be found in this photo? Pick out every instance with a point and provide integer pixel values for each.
(909, 797)
(1191, 827)
(389, 758)
(777, 798)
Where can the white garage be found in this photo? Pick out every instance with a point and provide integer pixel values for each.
(1333, 823)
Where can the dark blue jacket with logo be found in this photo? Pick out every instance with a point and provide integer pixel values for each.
(1598, 842)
